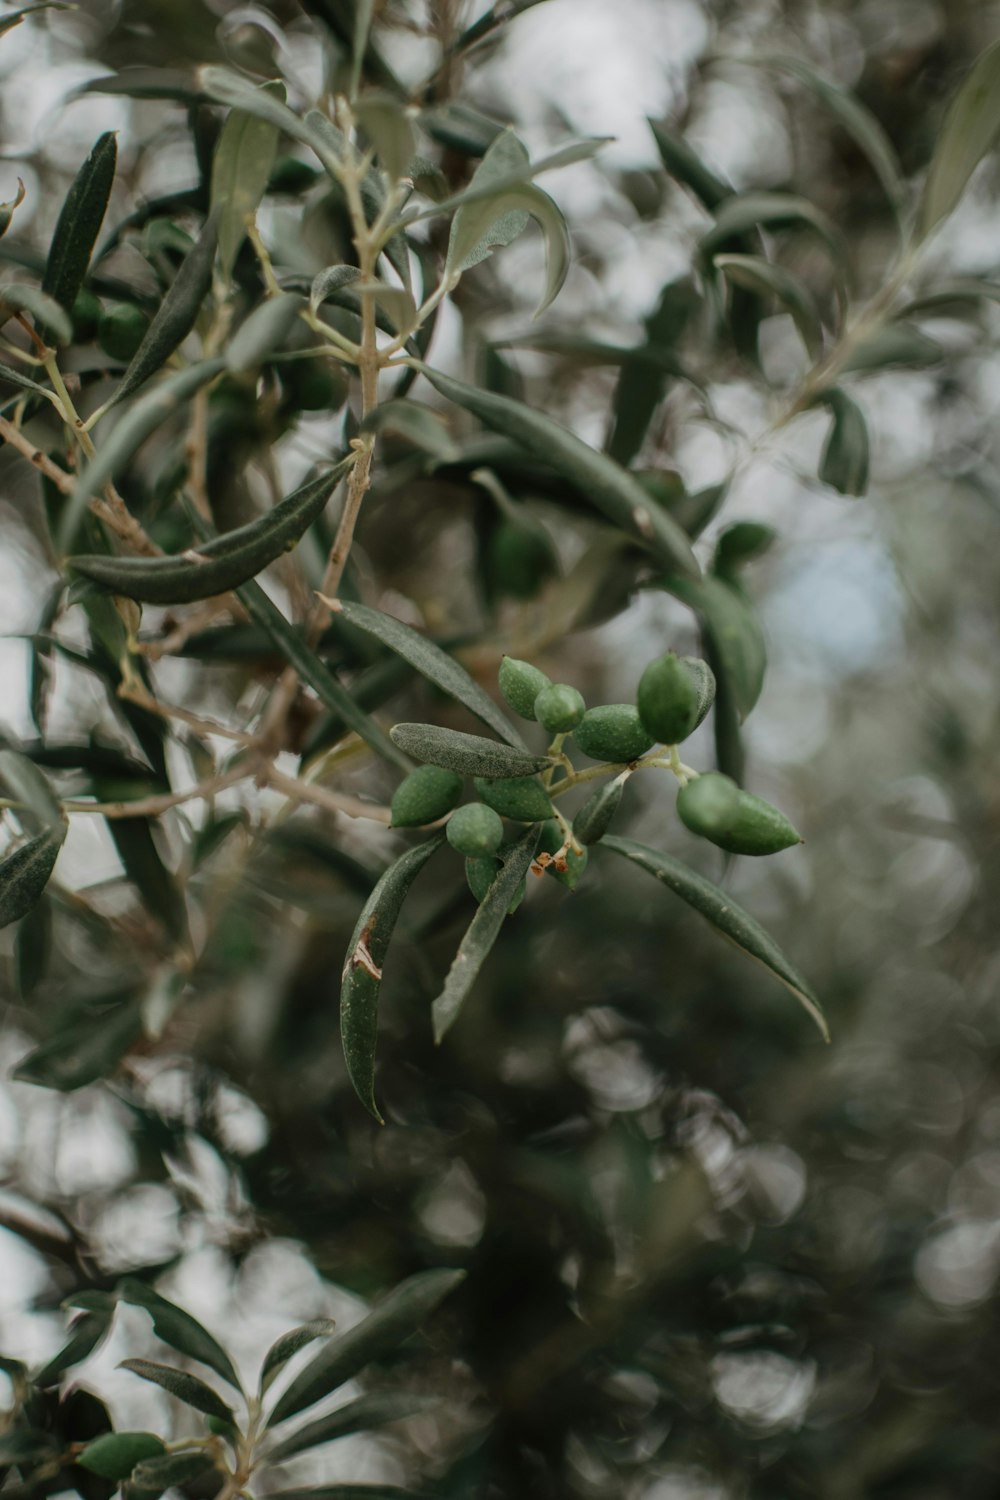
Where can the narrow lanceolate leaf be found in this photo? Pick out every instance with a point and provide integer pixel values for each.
(86, 1332)
(611, 489)
(178, 1329)
(154, 1475)
(384, 120)
(79, 223)
(733, 632)
(844, 464)
(222, 564)
(25, 873)
(331, 279)
(282, 1350)
(565, 156)
(401, 1313)
(724, 914)
(361, 981)
(688, 168)
(152, 411)
(896, 344)
(469, 754)
(226, 87)
(745, 211)
(264, 331)
(374, 1410)
(312, 671)
(241, 169)
(596, 815)
(38, 807)
(187, 1388)
(10, 376)
(970, 129)
(84, 1051)
(431, 662)
(51, 318)
(483, 932)
(177, 312)
(767, 279)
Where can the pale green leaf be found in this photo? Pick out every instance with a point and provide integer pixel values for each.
(767, 279)
(970, 130)
(241, 170)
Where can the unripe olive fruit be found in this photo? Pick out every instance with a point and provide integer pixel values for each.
(520, 684)
(480, 874)
(475, 830)
(708, 804)
(613, 732)
(86, 315)
(559, 708)
(289, 175)
(313, 388)
(519, 560)
(551, 842)
(424, 796)
(675, 693)
(758, 828)
(522, 798)
(122, 330)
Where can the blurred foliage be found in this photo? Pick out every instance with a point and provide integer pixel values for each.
(704, 1254)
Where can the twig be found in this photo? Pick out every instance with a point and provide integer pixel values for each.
(320, 796)
(151, 807)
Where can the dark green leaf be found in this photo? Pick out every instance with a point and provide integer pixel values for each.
(331, 279)
(146, 83)
(50, 318)
(187, 1388)
(723, 912)
(178, 1329)
(79, 223)
(844, 463)
(84, 1051)
(148, 414)
(596, 815)
(895, 344)
(969, 131)
(115, 1454)
(767, 279)
(733, 630)
(133, 838)
(361, 980)
(33, 947)
(564, 157)
(241, 170)
(646, 372)
(681, 162)
(171, 1469)
(263, 332)
(361, 1415)
(483, 932)
(86, 1332)
(609, 488)
(38, 809)
(24, 874)
(282, 1350)
(176, 314)
(470, 754)
(222, 564)
(401, 1313)
(746, 211)
(431, 662)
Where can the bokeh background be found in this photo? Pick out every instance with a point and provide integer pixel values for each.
(709, 1257)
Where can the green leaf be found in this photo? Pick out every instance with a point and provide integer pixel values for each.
(420, 425)
(309, 667)
(217, 566)
(187, 1388)
(470, 754)
(24, 874)
(745, 211)
(895, 344)
(53, 320)
(733, 630)
(14, 18)
(176, 314)
(596, 815)
(38, 810)
(723, 912)
(23, 383)
(373, 1410)
(401, 1313)
(172, 1469)
(241, 169)
(33, 947)
(970, 130)
(115, 1454)
(364, 11)
(178, 1329)
(384, 120)
(79, 223)
(264, 331)
(647, 370)
(431, 662)
(226, 87)
(564, 157)
(844, 464)
(282, 1350)
(86, 1332)
(609, 488)
(688, 168)
(145, 417)
(85, 1051)
(145, 83)
(854, 117)
(767, 279)
(483, 932)
(361, 980)
(136, 846)
(327, 282)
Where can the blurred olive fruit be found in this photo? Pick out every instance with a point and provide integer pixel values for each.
(475, 830)
(480, 874)
(571, 864)
(122, 330)
(520, 684)
(86, 315)
(559, 708)
(675, 693)
(314, 387)
(291, 176)
(424, 796)
(737, 821)
(519, 560)
(613, 732)
(521, 798)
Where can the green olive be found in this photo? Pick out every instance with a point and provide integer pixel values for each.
(424, 796)
(559, 708)
(475, 830)
(122, 330)
(613, 732)
(520, 684)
